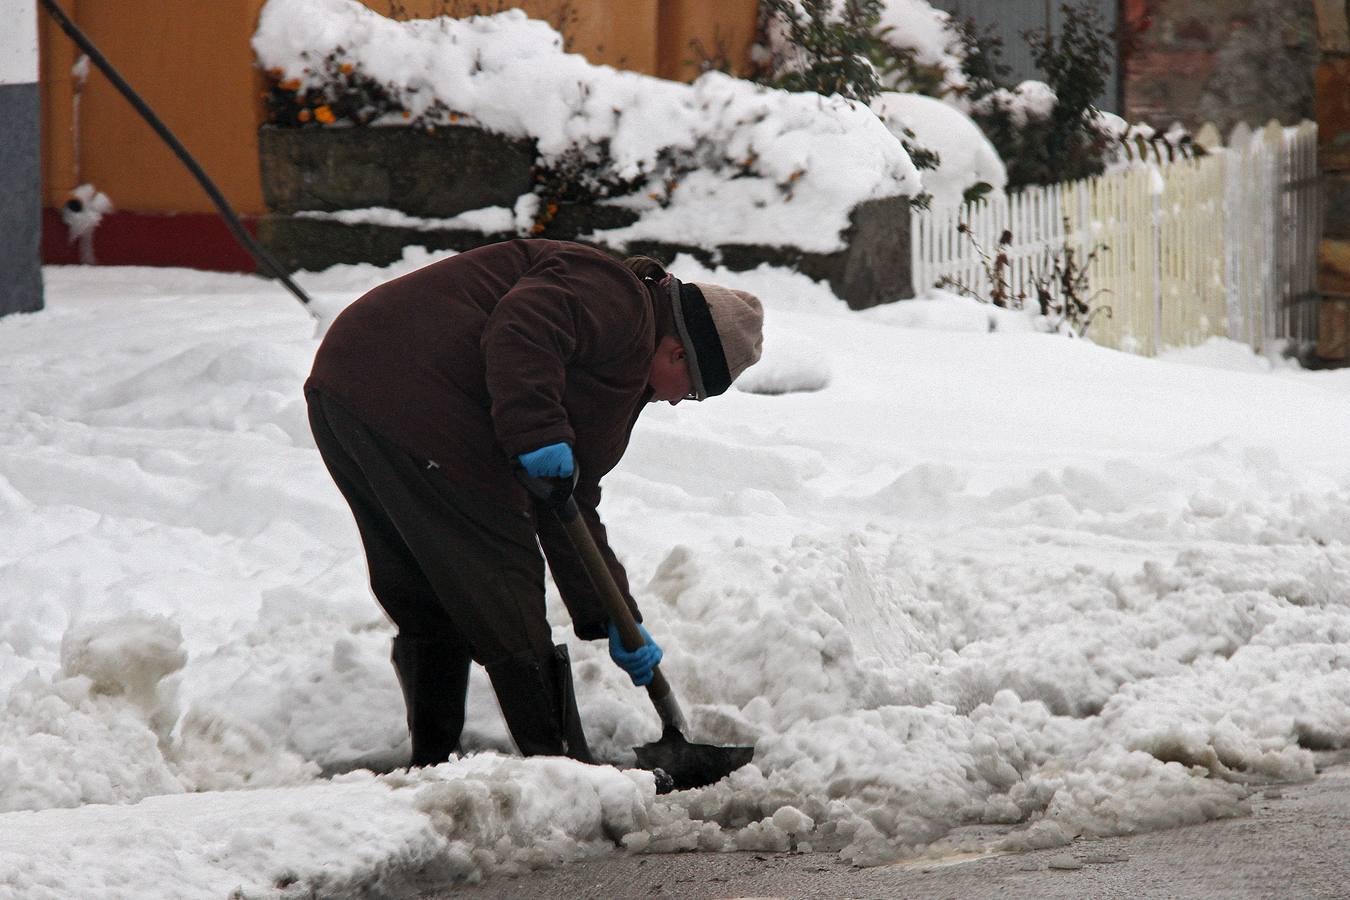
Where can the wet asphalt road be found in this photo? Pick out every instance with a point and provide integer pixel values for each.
(1296, 844)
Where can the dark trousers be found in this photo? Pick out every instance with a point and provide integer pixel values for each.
(462, 578)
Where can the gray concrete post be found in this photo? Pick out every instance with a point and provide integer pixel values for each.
(20, 163)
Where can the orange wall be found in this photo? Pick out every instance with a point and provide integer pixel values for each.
(654, 37)
(191, 61)
(620, 33)
(693, 30)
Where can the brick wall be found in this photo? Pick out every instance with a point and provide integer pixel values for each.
(1221, 61)
(1333, 124)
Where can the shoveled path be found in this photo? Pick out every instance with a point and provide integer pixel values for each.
(1296, 843)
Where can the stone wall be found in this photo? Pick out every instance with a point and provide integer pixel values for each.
(20, 167)
(441, 174)
(20, 200)
(428, 175)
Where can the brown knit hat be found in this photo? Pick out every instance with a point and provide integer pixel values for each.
(722, 330)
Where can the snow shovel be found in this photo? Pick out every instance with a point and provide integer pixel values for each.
(677, 763)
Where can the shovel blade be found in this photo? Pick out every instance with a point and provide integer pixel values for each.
(687, 765)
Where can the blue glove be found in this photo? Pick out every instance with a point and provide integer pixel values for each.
(553, 461)
(638, 663)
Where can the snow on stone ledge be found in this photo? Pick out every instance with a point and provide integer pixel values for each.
(773, 167)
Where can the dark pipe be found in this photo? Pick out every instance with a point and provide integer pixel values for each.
(260, 256)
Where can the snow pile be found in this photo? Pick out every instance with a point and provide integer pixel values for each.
(709, 159)
(106, 728)
(938, 575)
(1222, 353)
(502, 815)
(330, 840)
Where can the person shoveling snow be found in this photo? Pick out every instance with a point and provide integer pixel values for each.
(428, 398)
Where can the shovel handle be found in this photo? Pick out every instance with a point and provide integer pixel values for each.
(556, 494)
(658, 689)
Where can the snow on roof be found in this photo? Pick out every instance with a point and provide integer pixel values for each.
(762, 166)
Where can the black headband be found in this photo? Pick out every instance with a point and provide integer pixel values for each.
(698, 332)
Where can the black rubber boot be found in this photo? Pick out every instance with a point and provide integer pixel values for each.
(573, 734)
(538, 704)
(434, 676)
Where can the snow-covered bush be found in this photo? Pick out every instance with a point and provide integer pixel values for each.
(965, 164)
(700, 163)
(825, 46)
(859, 47)
(1046, 131)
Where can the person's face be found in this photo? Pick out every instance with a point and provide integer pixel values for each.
(669, 378)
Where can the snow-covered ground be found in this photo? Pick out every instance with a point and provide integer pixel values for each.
(938, 575)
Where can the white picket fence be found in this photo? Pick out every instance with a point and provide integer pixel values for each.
(1224, 244)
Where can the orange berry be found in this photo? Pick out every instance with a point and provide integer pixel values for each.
(325, 115)
(303, 115)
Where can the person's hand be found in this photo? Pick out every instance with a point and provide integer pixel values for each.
(553, 461)
(637, 663)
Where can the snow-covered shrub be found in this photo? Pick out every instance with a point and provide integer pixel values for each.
(1046, 131)
(336, 90)
(700, 163)
(343, 92)
(827, 46)
(858, 49)
(923, 50)
(965, 165)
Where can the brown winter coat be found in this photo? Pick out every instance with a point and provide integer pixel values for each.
(475, 359)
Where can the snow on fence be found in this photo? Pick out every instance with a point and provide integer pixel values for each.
(1223, 244)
